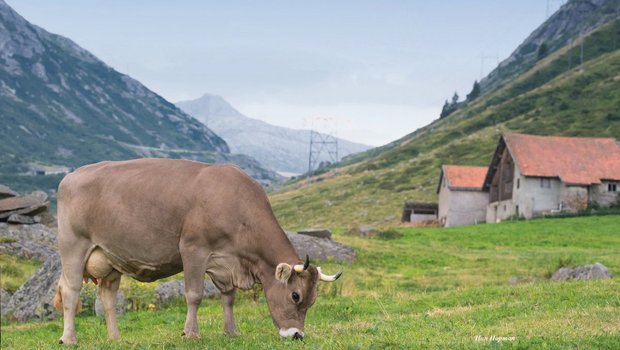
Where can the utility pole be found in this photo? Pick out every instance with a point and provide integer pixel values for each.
(322, 144)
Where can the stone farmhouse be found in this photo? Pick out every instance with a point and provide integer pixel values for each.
(532, 175)
(462, 200)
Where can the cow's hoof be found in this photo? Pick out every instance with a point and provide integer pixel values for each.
(231, 333)
(67, 341)
(190, 335)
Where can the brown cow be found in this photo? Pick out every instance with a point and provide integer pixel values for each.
(153, 218)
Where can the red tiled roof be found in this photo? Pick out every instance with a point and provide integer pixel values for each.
(465, 177)
(575, 160)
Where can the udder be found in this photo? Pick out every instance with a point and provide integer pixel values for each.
(99, 269)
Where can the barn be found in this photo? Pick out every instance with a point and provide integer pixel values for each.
(533, 175)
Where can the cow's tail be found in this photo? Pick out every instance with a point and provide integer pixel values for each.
(58, 302)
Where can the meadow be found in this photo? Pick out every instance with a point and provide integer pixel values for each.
(411, 288)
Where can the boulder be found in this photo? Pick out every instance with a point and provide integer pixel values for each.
(35, 242)
(363, 231)
(33, 300)
(4, 300)
(36, 233)
(31, 210)
(319, 233)
(169, 291)
(120, 304)
(6, 192)
(585, 272)
(23, 219)
(320, 249)
(19, 202)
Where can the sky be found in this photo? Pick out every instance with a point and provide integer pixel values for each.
(369, 71)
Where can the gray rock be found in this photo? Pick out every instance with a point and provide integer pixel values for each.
(314, 232)
(23, 219)
(19, 202)
(4, 301)
(320, 248)
(120, 304)
(6, 192)
(36, 242)
(586, 272)
(31, 210)
(363, 231)
(37, 233)
(33, 300)
(169, 291)
(25, 249)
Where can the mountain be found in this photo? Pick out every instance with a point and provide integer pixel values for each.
(564, 27)
(557, 96)
(62, 107)
(278, 148)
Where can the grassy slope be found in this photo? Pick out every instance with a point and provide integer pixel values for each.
(549, 99)
(429, 288)
(14, 272)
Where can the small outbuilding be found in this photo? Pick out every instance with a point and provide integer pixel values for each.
(462, 200)
(419, 212)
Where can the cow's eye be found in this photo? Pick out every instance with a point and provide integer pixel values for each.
(295, 297)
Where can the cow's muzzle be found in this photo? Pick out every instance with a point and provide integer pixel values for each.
(292, 332)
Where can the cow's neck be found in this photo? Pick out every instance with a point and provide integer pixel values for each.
(280, 251)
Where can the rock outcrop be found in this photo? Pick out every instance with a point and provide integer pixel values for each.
(173, 290)
(22, 209)
(585, 272)
(321, 249)
(33, 300)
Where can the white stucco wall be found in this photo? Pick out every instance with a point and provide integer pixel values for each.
(422, 217)
(528, 199)
(457, 208)
(443, 204)
(601, 194)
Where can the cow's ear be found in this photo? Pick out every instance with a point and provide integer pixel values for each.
(283, 272)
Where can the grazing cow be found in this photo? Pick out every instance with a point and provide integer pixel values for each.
(153, 218)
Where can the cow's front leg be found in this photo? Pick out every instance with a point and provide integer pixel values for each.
(107, 294)
(194, 268)
(228, 300)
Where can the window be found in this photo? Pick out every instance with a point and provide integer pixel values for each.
(545, 182)
(517, 210)
(612, 187)
(518, 183)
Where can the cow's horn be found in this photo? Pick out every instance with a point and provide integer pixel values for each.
(328, 278)
(304, 267)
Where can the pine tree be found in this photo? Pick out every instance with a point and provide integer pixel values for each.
(455, 100)
(445, 110)
(475, 92)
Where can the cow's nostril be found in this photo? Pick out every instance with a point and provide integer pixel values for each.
(298, 336)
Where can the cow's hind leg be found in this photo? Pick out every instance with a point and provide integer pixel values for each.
(107, 293)
(229, 320)
(73, 250)
(194, 269)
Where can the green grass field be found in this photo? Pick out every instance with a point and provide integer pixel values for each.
(427, 288)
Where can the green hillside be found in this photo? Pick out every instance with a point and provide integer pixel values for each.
(556, 97)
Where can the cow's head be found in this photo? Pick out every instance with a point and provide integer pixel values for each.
(290, 297)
